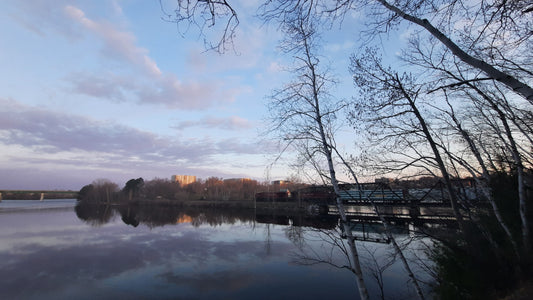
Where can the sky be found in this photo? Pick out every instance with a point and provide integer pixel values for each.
(109, 89)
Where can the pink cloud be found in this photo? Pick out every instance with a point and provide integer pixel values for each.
(117, 43)
(152, 86)
(54, 132)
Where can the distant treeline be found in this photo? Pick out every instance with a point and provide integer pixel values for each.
(213, 188)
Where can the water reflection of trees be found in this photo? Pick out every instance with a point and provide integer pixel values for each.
(444, 263)
(376, 267)
(376, 255)
(95, 215)
(429, 250)
(161, 215)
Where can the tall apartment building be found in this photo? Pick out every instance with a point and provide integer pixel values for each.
(183, 179)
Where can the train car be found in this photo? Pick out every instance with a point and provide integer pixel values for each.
(281, 196)
(316, 197)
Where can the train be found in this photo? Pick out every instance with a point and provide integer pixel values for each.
(310, 194)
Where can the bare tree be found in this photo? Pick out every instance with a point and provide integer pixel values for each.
(377, 268)
(208, 17)
(493, 32)
(387, 97)
(304, 112)
(501, 120)
(505, 135)
(497, 9)
(105, 189)
(493, 39)
(482, 178)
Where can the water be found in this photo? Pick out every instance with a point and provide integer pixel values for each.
(50, 250)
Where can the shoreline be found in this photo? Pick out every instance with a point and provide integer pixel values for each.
(280, 207)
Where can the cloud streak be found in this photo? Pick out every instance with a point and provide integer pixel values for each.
(151, 85)
(68, 140)
(230, 123)
(119, 44)
(39, 16)
(34, 127)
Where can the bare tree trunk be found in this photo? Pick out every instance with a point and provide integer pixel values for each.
(520, 177)
(342, 212)
(485, 174)
(440, 162)
(388, 232)
(515, 153)
(363, 292)
(507, 79)
(298, 110)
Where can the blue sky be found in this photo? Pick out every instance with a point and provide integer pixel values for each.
(107, 89)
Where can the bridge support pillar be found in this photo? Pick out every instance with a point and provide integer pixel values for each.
(42, 197)
(0, 196)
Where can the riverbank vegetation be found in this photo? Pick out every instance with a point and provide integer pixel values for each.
(164, 190)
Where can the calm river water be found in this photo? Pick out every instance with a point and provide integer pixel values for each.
(52, 250)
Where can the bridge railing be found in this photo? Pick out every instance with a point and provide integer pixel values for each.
(367, 196)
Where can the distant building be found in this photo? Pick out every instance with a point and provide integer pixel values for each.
(281, 182)
(237, 180)
(183, 179)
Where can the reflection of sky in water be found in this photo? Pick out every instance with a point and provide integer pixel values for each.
(51, 254)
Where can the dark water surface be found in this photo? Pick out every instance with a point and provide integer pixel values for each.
(59, 252)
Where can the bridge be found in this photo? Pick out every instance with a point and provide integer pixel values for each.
(36, 194)
(406, 204)
(394, 193)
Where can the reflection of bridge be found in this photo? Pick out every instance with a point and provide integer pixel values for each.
(399, 213)
(364, 223)
(37, 193)
(374, 231)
